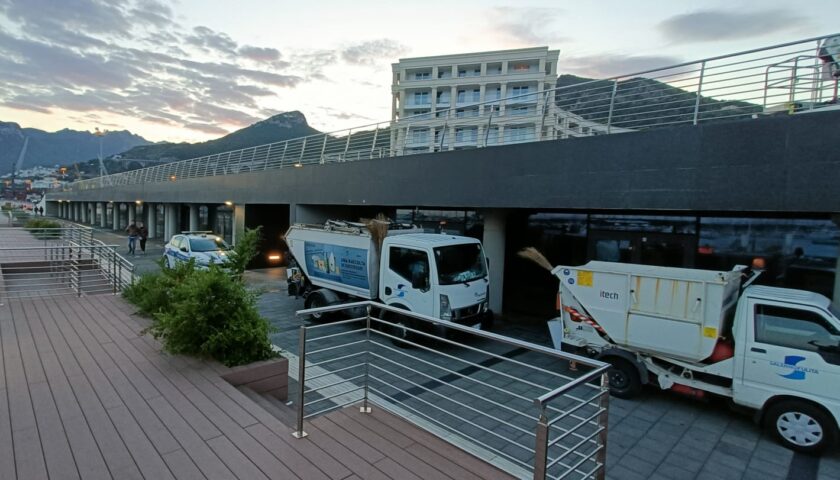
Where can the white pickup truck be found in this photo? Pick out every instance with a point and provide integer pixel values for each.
(773, 350)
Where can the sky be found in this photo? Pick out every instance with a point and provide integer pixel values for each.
(194, 70)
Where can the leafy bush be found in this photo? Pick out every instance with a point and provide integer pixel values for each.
(41, 228)
(207, 313)
(245, 250)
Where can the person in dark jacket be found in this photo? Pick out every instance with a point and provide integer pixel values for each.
(144, 234)
(133, 234)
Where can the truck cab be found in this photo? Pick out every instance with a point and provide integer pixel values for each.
(787, 363)
(443, 276)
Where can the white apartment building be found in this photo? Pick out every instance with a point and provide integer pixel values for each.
(471, 100)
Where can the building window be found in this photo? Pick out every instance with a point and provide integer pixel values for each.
(444, 72)
(466, 134)
(466, 112)
(422, 76)
(462, 96)
(443, 97)
(420, 135)
(491, 94)
(519, 133)
(520, 90)
(520, 110)
(421, 98)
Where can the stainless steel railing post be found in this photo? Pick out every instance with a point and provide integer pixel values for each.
(603, 424)
(299, 433)
(699, 91)
(612, 105)
(541, 446)
(365, 408)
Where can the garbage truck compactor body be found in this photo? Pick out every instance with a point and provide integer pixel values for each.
(775, 351)
(438, 275)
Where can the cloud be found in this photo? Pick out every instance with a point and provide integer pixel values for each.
(717, 25)
(207, 128)
(210, 40)
(528, 26)
(259, 54)
(372, 52)
(604, 66)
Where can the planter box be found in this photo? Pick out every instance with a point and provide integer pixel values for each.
(269, 377)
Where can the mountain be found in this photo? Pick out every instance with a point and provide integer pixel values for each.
(58, 148)
(280, 127)
(639, 102)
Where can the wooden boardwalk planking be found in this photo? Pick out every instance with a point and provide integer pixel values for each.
(84, 395)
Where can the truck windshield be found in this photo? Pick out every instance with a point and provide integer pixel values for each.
(834, 310)
(460, 263)
(210, 244)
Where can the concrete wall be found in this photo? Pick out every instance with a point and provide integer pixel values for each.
(781, 163)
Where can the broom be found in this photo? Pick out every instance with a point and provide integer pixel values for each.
(534, 255)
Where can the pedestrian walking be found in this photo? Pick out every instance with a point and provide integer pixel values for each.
(133, 235)
(144, 234)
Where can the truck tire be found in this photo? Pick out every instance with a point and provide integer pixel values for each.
(623, 377)
(801, 426)
(397, 328)
(316, 299)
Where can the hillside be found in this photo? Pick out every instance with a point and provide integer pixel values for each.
(274, 129)
(640, 102)
(58, 148)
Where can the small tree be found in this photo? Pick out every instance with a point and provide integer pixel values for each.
(245, 250)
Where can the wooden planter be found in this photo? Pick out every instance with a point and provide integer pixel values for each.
(269, 377)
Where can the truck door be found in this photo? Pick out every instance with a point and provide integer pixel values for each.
(789, 349)
(407, 280)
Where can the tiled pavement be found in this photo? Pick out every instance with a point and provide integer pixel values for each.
(656, 436)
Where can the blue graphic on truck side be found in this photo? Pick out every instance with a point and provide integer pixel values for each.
(796, 372)
(345, 265)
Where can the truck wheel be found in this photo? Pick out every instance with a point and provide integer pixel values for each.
(397, 328)
(624, 378)
(801, 426)
(316, 300)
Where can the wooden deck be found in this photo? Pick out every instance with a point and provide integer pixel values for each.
(84, 395)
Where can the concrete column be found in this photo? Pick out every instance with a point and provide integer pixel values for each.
(494, 248)
(77, 211)
(132, 213)
(169, 221)
(92, 213)
(238, 221)
(151, 219)
(103, 219)
(115, 213)
(193, 217)
(60, 210)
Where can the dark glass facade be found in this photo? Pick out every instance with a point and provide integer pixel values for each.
(797, 252)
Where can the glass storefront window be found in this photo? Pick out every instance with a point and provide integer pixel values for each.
(797, 253)
(454, 222)
(645, 223)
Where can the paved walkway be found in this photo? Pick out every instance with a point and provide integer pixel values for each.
(658, 435)
(83, 394)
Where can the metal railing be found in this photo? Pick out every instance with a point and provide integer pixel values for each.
(788, 77)
(517, 403)
(47, 262)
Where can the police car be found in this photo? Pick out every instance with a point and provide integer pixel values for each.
(204, 247)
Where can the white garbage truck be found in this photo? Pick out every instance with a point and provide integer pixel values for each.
(438, 275)
(775, 351)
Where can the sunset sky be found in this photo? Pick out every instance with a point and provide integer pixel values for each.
(193, 70)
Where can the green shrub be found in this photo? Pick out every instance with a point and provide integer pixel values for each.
(206, 313)
(245, 250)
(42, 228)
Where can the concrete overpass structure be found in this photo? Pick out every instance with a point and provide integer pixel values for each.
(783, 166)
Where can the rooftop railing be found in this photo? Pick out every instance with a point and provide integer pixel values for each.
(532, 411)
(781, 79)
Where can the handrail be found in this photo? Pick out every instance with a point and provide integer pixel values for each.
(351, 362)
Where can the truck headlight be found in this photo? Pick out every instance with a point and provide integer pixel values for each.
(486, 305)
(445, 309)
